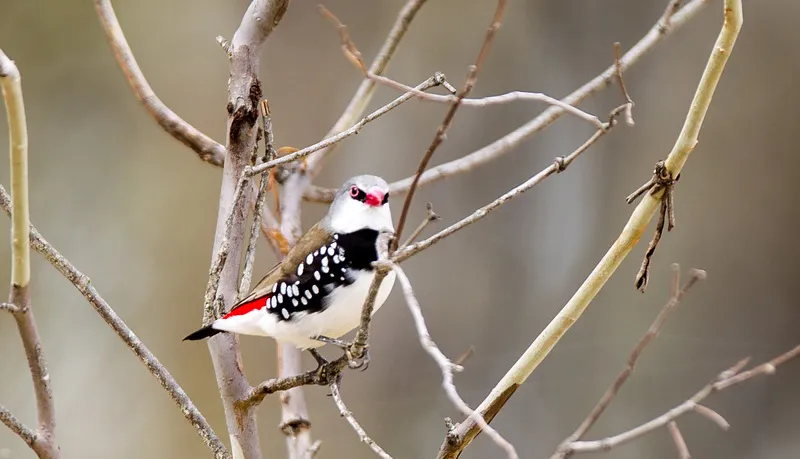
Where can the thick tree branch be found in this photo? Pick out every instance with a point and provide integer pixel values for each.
(365, 91)
(724, 380)
(85, 287)
(244, 95)
(11, 82)
(630, 235)
(666, 25)
(208, 149)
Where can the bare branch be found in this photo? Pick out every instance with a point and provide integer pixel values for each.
(680, 443)
(85, 287)
(641, 216)
(25, 433)
(362, 335)
(259, 209)
(208, 149)
(628, 101)
(505, 98)
(11, 308)
(447, 367)
(11, 83)
(365, 91)
(724, 380)
(435, 80)
(362, 435)
(676, 297)
(244, 96)
(430, 217)
(472, 79)
(508, 142)
(559, 165)
(712, 416)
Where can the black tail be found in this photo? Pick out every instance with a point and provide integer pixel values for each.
(205, 332)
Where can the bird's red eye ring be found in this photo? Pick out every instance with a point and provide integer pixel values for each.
(354, 191)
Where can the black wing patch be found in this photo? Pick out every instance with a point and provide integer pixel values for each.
(332, 265)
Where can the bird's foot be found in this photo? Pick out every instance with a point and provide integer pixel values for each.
(336, 342)
(322, 363)
(354, 362)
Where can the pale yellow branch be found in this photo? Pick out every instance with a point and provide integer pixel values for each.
(637, 223)
(18, 138)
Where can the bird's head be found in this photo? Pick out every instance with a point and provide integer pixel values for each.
(362, 202)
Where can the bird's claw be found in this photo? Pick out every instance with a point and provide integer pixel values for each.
(322, 363)
(355, 363)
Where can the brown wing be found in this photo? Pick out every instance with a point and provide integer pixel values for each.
(312, 240)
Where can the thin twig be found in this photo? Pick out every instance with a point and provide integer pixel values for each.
(259, 208)
(724, 380)
(366, 89)
(25, 433)
(208, 149)
(11, 83)
(712, 416)
(430, 217)
(469, 84)
(362, 334)
(446, 366)
(675, 298)
(435, 80)
(641, 216)
(680, 443)
(154, 366)
(559, 165)
(11, 308)
(628, 101)
(362, 434)
(505, 98)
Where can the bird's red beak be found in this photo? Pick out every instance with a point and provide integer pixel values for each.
(374, 197)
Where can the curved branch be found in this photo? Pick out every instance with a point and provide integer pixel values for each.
(630, 235)
(209, 150)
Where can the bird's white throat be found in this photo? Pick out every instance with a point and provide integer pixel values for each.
(351, 215)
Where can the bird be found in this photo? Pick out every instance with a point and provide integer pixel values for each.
(316, 293)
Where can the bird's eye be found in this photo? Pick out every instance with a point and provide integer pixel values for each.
(357, 193)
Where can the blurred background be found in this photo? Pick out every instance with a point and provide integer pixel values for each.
(135, 210)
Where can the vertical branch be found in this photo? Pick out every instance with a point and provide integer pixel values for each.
(295, 422)
(630, 235)
(44, 443)
(244, 95)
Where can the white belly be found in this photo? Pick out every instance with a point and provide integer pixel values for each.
(342, 314)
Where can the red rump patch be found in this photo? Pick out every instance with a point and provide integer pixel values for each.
(251, 305)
